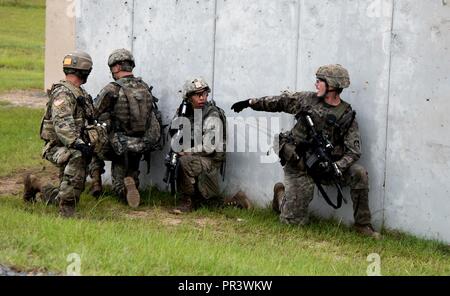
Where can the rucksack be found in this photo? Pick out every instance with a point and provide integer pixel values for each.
(145, 118)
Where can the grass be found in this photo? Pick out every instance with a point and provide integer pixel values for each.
(22, 30)
(113, 240)
(20, 145)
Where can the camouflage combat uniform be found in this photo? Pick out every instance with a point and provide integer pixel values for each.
(299, 185)
(112, 109)
(68, 111)
(199, 170)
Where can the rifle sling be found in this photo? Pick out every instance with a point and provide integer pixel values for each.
(324, 194)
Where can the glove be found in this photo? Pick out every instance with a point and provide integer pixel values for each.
(239, 106)
(86, 150)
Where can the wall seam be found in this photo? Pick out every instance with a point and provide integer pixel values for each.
(387, 114)
(132, 26)
(214, 50)
(77, 23)
(297, 59)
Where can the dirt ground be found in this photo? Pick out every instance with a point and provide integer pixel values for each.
(27, 98)
(13, 185)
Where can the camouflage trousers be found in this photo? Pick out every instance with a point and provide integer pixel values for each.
(300, 192)
(72, 176)
(119, 170)
(198, 177)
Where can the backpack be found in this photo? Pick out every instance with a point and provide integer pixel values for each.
(144, 117)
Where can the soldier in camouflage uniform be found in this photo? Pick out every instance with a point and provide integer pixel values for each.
(201, 160)
(292, 201)
(68, 113)
(125, 107)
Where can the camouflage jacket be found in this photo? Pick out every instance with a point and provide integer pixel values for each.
(213, 126)
(347, 147)
(69, 111)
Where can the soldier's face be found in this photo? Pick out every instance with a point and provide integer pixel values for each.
(199, 100)
(321, 87)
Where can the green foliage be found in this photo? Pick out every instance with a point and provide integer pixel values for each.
(22, 37)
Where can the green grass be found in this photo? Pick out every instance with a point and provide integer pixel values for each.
(20, 145)
(22, 37)
(113, 240)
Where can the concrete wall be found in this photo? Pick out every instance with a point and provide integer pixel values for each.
(59, 37)
(396, 52)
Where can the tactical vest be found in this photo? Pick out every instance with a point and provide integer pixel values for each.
(136, 114)
(47, 130)
(212, 107)
(333, 129)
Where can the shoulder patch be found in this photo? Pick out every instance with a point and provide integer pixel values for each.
(58, 102)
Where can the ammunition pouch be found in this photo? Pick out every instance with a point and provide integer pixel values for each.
(122, 143)
(47, 131)
(287, 149)
(98, 137)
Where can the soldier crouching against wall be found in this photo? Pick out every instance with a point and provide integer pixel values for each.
(128, 110)
(69, 111)
(335, 119)
(201, 160)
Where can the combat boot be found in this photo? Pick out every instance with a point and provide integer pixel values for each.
(131, 192)
(67, 209)
(239, 200)
(32, 186)
(96, 189)
(185, 206)
(278, 194)
(367, 230)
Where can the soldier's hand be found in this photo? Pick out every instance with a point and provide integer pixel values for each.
(86, 150)
(239, 106)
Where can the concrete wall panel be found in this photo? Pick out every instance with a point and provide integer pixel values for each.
(59, 37)
(256, 55)
(173, 42)
(356, 35)
(418, 150)
(101, 27)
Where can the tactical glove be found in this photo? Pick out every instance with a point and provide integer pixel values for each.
(86, 150)
(239, 106)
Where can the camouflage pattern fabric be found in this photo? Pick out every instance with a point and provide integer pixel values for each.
(199, 171)
(335, 75)
(112, 109)
(68, 119)
(300, 186)
(120, 55)
(72, 181)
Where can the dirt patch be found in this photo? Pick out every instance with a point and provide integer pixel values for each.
(171, 221)
(13, 185)
(26, 98)
(205, 222)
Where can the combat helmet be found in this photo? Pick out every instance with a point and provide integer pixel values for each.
(78, 63)
(195, 86)
(334, 75)
(119, 56)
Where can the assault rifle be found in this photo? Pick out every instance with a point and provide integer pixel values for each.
(319, 163)
(171, 159)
